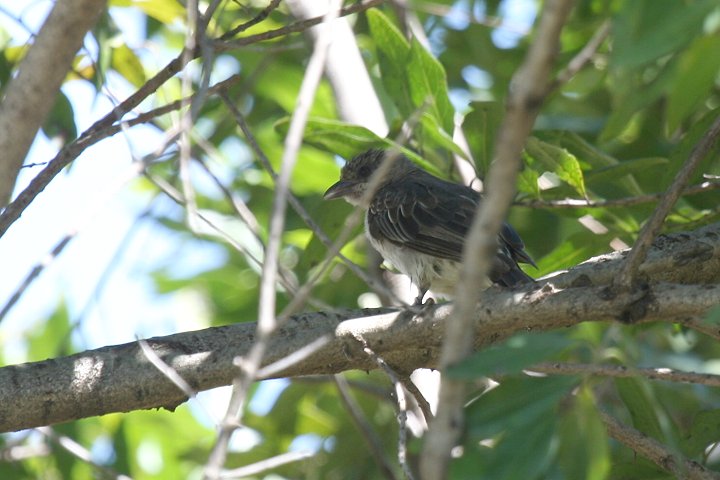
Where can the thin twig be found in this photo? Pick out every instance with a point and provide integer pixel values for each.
(528, 90)
(296, 27)
(368, 434)
(169, 372)
(80, 452)
(620, 371)
(627, 276)
(297, 356)
(669, 460)
(265, 465)
(253, 21)
(80, 223)
(401, 404)
(351, 222)
(582, 58)
(618, 202)
(187, 118)
(97, 131)
(422, 402)
(176, 196)
(368, 388)
(91, 136)
(267, 321)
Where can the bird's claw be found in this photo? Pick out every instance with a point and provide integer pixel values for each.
(419, 307)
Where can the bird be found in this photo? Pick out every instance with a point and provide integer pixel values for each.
(419, 222)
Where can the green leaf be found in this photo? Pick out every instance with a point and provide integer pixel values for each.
(682, 151)
(696, 73)
(577, 248)
(481, 125)
(439, 137)
(510, 356)
(416, 82)
(51, 338)
(393, 57)
(164, 11)
(704, 431)
(285, 93)
(528, 182)
(60, 123)
(627, 167)
(592, 155)
(559, 161)
(583, 451)
(517, 403)
(127, 64)
(536, 442)
(632, 98)
(348, 140)
(638, 399)
(335, 136)
(642, 32)
(427, 82)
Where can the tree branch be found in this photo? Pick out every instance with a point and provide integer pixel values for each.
(621, 371)
(617, 202)
(652, 227)
(661, 455)
(119, 378)
(29, 96)
(97, 131)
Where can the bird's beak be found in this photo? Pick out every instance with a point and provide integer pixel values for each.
(339, 190)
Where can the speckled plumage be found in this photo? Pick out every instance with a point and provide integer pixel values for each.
(418, 223)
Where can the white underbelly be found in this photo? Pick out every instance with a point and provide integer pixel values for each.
(440, 275)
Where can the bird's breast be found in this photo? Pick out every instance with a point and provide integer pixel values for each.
(425, 271)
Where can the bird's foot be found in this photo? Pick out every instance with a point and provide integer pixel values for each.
(419, 307)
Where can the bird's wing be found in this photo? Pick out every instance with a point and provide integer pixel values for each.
(424, 216)
(432, 216)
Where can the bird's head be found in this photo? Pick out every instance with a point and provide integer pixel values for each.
(356, 174)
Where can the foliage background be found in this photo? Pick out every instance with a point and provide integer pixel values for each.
(620, 128)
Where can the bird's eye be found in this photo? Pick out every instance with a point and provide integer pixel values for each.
(365, 171)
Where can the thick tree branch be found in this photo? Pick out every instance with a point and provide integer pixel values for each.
(120, 378)
(29, 96)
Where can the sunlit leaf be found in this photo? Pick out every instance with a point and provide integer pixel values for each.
(427, 82)
(559, 161)
(164, 11)
(393, 56)
(127, 64)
